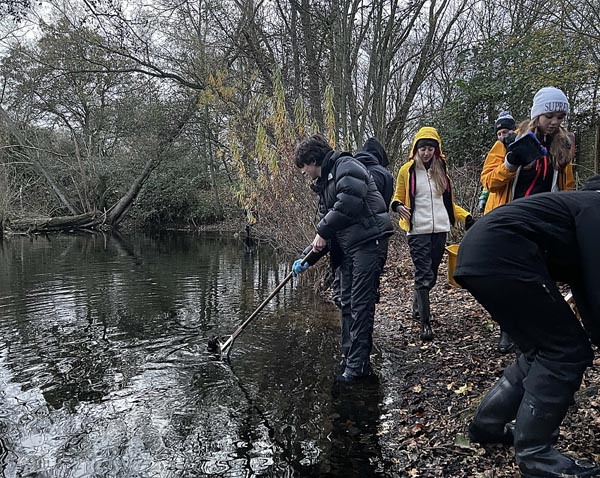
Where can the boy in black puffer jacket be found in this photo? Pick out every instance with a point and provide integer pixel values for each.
(375, 159)
(353, 217)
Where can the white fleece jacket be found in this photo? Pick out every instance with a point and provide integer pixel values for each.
(428, 213)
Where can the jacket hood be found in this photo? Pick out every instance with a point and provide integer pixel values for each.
(592, 184)
(426, 132)
(375, 148)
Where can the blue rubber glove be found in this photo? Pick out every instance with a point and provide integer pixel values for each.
(298, 267)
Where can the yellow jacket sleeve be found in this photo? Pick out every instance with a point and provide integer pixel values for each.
(460, 213)
(401, 193)
(495, 177)
(566, 180)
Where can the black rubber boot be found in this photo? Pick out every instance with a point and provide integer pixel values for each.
(509, 431)
(496, 410)
(505, 344)
(536, 423)
(423, 303)
(415, 308)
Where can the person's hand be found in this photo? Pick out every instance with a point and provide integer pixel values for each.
(469, 221)
(299, 267)
(319, 243)
(402, 210)
(525, 150)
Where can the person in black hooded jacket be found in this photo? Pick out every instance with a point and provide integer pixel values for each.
(522, 249)
(354, 217)
(375, 159)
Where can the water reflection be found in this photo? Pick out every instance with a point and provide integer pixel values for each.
(104, 369)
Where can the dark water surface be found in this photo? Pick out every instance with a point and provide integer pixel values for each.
(104, 369)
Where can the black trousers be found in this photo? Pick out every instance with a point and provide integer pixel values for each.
(426, 251)
(555, 348)
(382, 254)
(360, 272)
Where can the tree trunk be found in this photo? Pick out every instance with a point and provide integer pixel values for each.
(211, 164)
(117, 212)
(90, 220)
(312, 65)
(24, 143)
(114, 215)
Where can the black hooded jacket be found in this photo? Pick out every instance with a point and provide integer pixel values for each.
(351, 208)
(374, 157)
(548, 235)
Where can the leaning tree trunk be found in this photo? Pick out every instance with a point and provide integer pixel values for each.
(116, 213)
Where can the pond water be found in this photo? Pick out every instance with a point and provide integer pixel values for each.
(104, 368)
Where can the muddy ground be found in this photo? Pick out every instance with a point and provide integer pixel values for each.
(432, 389)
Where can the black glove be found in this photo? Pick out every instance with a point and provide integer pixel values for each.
(469, 221)
(509, 139)
(525, 150)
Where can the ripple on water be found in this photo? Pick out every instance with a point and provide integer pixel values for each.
(104, 369)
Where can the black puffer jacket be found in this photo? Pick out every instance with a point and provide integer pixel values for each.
(374, 157)
(351, 208)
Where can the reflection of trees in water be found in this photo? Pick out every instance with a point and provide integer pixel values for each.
(80, 305)
(93, 322)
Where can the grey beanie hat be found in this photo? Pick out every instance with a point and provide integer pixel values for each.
(549, 100)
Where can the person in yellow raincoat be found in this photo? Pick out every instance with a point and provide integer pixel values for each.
(423, 198)
(506, 180)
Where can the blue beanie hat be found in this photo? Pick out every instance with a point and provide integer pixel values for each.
(505, 121)
(549, 100)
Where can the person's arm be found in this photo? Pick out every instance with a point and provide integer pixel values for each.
(569, 179)
(463, 215)
(309, 257)
(495, 176)
(351, 187)
(400, 197)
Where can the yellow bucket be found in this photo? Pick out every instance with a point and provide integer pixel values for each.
(452, 253)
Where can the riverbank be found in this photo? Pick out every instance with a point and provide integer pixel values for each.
(433, 389)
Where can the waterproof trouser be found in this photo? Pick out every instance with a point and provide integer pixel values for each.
(382, 253)
(555, 354)
(426, 251)
(359, 274)
(335, 287)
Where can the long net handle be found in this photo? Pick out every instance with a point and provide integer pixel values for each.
(226, 347)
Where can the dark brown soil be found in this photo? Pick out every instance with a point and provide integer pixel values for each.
(432, 389)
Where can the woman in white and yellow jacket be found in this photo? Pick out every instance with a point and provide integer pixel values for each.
(423, 199)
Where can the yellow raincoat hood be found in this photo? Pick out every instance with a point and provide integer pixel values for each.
(426, 132)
